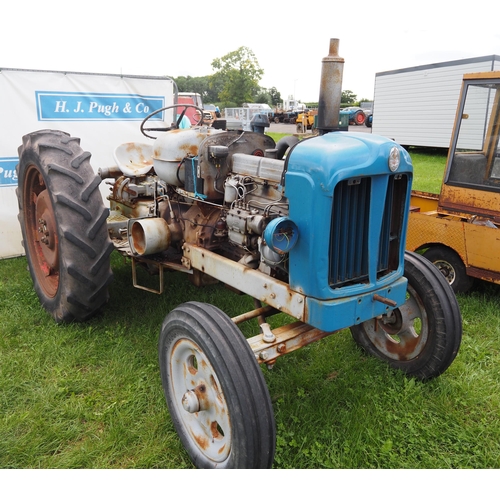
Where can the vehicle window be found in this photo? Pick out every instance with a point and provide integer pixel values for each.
(475, 156)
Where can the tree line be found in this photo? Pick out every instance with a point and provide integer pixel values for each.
(235, 81)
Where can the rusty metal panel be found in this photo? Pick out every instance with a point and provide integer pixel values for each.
(469, 202)
(483, 247)
(254, 283)
(424, 229)
(423, 202)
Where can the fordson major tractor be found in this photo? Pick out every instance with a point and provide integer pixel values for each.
(314, 229)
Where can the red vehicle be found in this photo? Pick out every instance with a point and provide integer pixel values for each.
(192, 113)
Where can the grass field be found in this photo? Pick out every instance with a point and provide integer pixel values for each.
(89, 395)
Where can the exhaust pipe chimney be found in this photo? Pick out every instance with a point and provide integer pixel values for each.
(330, 92)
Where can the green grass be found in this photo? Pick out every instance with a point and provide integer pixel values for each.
(429, 165)
(89, 395)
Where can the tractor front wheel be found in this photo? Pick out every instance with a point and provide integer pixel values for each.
(63, 225)
(215, 390)
(422, 337)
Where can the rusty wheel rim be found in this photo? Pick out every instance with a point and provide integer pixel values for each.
(201, 405)
(41, 231)
(405, 335)
(446, 269)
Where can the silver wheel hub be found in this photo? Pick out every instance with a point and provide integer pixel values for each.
(201, 405)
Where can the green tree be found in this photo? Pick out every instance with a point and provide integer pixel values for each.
(216, 86)
(199, 84)
(348, 97)
(240, 73)
(275, 96)
(268, 96)
(263, 97)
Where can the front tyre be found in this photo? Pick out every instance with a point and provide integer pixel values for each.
(215, 390)
(63, 225)
(422, 337)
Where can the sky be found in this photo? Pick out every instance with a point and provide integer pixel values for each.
(289, 39)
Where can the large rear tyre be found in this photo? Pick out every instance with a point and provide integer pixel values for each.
(63, 224)
(451, 267)
(359, 118)
(422, 337)
(215, 390)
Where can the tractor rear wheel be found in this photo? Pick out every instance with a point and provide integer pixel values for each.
(63, 225)
(422, 337)
(215, 390)
(359, 118)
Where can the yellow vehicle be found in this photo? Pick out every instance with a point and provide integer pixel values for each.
(305, 121)
(459, 229)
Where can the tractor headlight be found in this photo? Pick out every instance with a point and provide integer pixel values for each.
(394, 159)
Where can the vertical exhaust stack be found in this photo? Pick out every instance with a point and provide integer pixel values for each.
(330, 92)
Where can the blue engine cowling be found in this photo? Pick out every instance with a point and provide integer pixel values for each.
(351, 211)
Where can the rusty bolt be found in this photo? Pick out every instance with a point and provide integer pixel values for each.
(281, 348)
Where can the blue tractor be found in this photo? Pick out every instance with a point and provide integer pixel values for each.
(313, 229)
(356, 115)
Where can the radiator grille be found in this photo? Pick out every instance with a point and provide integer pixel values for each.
(350, 229)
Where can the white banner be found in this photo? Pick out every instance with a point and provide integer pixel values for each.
(104, 111)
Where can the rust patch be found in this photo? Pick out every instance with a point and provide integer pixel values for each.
(215, 387)
(202, 441)
(189, 149)
(201, 393)
(214, 428)
(402, 349)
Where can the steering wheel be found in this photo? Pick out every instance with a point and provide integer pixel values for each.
(174, 125)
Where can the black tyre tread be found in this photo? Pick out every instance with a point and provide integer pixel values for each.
(84, 244)
(449, 306)
(445, 322)
(238, 370)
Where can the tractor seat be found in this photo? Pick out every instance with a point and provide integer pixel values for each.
(134, 158)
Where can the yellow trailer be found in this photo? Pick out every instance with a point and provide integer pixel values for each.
(459, 229)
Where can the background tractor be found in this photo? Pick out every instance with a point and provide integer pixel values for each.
(313, 230)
